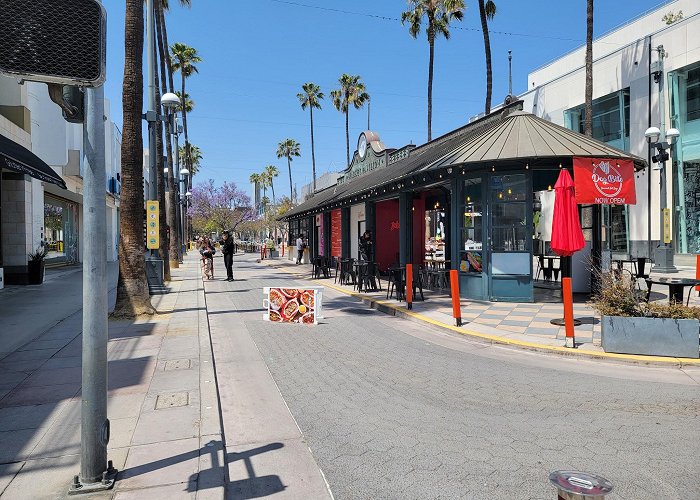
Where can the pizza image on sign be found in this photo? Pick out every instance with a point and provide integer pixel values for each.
(291, 305)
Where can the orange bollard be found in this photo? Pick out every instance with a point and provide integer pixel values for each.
(454, 291)
(697, 271)
(409, 286)
(568, 299)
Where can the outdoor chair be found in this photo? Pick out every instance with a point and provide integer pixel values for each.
(395, 283)
(347, 274)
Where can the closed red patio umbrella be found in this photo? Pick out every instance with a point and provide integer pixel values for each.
(567, 236)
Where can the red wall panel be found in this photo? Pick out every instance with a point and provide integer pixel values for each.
(386, 248)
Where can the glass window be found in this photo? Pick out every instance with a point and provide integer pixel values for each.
(509, 213)
(607, 125)
(693, 95)
(472, 228)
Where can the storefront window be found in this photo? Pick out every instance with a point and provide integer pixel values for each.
(693, 95)
(60, 229)
(472, 228)
(508, 197)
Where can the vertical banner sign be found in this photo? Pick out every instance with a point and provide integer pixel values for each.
(667, 225)
(336, 236)
(604, 181)
(152, 229)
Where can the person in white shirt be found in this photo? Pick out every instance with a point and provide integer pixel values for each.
(300, 249)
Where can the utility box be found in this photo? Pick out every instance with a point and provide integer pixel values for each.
(154, 273)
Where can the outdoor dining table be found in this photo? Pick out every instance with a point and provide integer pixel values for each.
(364, 280)
(638, 265)
(675, 287)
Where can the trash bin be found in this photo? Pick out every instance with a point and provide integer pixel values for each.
(573, 485)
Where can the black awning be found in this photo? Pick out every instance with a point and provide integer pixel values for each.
(20, 159)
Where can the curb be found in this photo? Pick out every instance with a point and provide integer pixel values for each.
(404, 313)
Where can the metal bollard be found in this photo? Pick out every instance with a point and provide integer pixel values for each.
(579, 485)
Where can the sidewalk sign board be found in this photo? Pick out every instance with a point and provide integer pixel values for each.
(293, 304)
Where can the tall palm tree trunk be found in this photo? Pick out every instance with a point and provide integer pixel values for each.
(347, 133)
(173, 250)
(163, 247)
(431, 59)
(313, 155)
(188, 163)
(291, 189)
(272, 186)
(588, 119)
(133, 298)
(487, 49)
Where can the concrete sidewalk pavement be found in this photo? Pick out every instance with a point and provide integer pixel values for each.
(163, 406)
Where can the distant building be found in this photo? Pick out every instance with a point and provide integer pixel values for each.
(324, 181)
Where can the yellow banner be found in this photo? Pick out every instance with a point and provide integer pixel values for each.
(152, 227)
(667, 225)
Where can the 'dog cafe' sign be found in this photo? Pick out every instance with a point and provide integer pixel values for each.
(604, 181)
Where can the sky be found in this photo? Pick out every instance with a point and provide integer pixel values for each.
(256, 54)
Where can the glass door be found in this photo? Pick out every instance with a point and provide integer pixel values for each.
(509, 248)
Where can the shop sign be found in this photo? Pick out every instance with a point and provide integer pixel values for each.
(667, 225)
(152, 223)
(604, 181)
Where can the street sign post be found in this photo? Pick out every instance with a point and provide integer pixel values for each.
(152, 225)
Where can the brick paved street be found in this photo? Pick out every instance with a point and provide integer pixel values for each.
(395, 409)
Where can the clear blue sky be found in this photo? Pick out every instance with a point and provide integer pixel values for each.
(256, 55)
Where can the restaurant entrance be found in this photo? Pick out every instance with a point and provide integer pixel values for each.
(495, 253)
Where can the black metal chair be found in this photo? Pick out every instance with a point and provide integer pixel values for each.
(396, 282)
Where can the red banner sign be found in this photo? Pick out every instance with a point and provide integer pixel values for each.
(604, 181)
(336, 238)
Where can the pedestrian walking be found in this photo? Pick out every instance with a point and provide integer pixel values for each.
(227, 249)
(300, 248)
(207, 251)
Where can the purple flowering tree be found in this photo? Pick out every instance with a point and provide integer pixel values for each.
(218, 208)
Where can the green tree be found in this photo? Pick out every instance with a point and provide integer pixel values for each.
(257, 181)
(439, 13)
(487, 11)
(271, 172)
(194, 160)
(310, 97)
(351, 92)
(133, 297)
(189, 103)
(184, 60)
(286, 149)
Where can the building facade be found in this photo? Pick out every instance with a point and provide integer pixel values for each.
(36, 213)
(645, 73)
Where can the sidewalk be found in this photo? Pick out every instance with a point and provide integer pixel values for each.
(524, 325)
(163, 405)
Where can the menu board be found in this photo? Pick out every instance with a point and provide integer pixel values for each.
(292, 305)
(336, 233)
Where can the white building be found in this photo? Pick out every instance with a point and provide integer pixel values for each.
(646, 54)
(35, 213)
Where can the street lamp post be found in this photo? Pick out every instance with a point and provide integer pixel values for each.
(172, 102)
(663, 256)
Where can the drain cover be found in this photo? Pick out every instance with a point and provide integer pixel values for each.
(172, 400)
(177, 364)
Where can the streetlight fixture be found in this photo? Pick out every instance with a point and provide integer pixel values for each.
(663, 255)
(184, 171)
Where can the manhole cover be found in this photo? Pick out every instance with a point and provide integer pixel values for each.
(172, 400)
(177, 364)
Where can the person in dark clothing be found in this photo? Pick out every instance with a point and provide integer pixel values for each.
(227, 249)
(366, 246)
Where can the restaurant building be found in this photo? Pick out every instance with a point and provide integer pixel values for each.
(467, 199)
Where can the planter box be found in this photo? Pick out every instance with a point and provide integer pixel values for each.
(35, 272)
(652, 336)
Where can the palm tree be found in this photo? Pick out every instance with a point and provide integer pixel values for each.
(165, 76)
(439, 14)
(256, 180)
(194, 160)
(271, 172)
(310, 97)
(189, 103)
(351, 91)
(286, 149)
(588, 118)
(487, 11)
(132, 289)
(184, 60)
